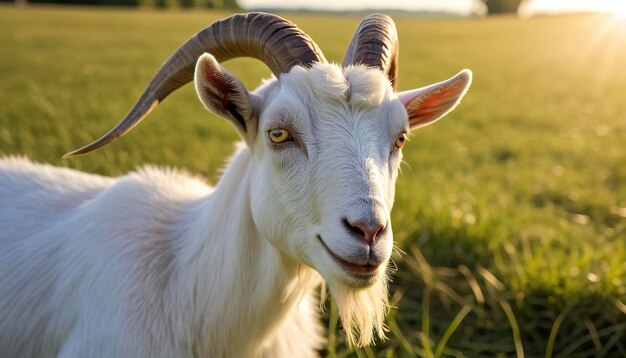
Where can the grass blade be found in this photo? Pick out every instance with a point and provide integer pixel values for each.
(554, 331)
(517, 337)
(456, 322)
(425, 336)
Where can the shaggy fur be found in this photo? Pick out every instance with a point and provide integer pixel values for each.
(158, 264)
(81, 276)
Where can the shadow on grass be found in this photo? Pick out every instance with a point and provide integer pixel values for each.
(461, 308)
(463, 312)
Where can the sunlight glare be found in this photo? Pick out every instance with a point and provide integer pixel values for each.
(617, 7)
(606, 42)
(620, 10)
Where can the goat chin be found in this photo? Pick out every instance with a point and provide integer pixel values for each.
(362, 310)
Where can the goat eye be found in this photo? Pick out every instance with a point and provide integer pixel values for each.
(279, 135)
(401, 140)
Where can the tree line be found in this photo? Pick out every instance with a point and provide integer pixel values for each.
(493, 6)
(214, 4)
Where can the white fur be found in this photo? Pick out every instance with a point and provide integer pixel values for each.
(158, 264)
(145, 265)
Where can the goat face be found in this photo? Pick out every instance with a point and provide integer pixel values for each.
(327, 158)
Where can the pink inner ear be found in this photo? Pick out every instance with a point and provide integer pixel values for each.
(217, 82)
(441, 96)
(431, 105)
(221, 91)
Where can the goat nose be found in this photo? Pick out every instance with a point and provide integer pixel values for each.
(364, 229)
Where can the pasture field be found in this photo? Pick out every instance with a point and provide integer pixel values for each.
(510, 215)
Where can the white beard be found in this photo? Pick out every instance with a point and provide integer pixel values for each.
(362, 310)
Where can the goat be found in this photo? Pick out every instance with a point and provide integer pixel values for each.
(158, 264)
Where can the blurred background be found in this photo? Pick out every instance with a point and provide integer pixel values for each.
(510, 214)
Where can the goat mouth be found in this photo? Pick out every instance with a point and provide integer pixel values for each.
(359, 271)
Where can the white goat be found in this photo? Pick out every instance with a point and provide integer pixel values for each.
(158, 264)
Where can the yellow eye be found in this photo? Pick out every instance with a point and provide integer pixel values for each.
(279, 135)
(401, 140)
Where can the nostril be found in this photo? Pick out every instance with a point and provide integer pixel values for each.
(353, 229)
(363, 231)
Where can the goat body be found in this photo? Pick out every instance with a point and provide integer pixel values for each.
(158, 264)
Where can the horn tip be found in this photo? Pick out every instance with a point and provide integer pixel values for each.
(78, 152)
(113, 134)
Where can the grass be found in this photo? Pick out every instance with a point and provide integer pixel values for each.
(511, 212)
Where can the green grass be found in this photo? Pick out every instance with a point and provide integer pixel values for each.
(511, 212)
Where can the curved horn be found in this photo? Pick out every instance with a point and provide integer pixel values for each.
(277, 42)
(375, 44)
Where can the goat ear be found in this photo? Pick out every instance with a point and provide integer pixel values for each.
(427, 104)
(223, 94)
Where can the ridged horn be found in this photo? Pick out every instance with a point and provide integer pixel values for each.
(279, 43)
(375, 44)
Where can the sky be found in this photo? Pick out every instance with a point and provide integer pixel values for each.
(531, 7)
